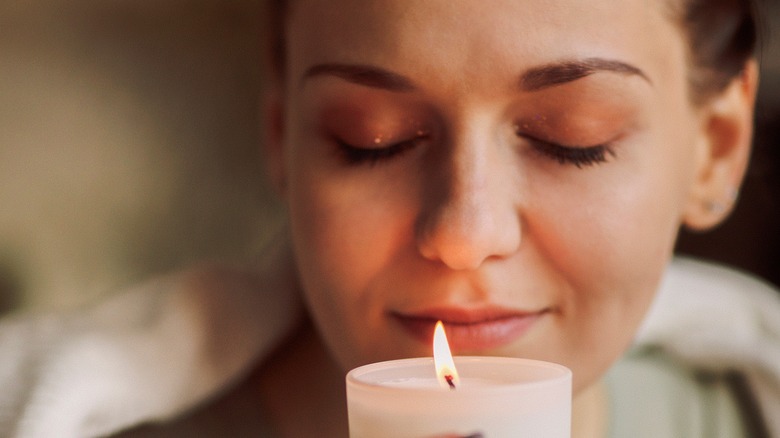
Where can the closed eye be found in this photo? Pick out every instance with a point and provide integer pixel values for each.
(371, 155)
(579, 156)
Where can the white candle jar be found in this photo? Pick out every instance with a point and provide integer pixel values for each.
(497, 397)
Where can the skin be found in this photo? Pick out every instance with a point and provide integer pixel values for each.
(471, 214)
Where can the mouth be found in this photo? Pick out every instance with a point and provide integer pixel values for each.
(470, 330)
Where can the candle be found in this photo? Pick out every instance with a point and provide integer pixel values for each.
(491, 397)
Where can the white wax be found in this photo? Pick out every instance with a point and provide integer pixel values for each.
(433, 383)
(497, 397)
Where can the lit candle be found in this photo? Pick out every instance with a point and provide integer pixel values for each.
(490, 397)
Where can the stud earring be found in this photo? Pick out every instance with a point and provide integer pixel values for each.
(719, 207)
(715, 207)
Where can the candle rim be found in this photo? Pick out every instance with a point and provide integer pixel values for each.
(562, 375)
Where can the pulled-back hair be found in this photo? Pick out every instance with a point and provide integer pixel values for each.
(723, 36)
(275, 40)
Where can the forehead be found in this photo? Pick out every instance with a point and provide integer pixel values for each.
(477, 37)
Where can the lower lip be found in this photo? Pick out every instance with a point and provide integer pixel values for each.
(472, 337)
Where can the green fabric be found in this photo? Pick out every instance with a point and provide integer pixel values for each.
(653, 396)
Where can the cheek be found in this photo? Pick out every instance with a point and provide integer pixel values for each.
(611, 247)
(609, 238)
(329, 225)
(347, 231)
(612, 236)
(619, 226)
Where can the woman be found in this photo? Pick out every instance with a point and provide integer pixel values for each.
(517, 169)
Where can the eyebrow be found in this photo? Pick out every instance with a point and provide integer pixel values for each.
(558, 73)
(367, 75)
(535, 79)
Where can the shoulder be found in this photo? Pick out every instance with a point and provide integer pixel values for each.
(700, 275)
(715, 320)
(653, 394)
(698, 298)
(146, 353)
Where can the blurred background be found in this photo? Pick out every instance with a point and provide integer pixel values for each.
(130, 145)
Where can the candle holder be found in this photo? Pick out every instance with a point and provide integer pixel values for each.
(496, 397)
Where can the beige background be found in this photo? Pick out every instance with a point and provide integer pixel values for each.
(129, 145)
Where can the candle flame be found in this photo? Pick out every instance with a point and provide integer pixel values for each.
(442, 359)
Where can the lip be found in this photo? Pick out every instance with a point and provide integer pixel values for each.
(470, 330)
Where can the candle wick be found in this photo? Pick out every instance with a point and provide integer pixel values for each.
(450, 381)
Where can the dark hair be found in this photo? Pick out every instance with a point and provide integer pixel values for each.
(276, 46)
(723, 34)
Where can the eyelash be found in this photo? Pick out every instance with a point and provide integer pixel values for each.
(572, 155)
(356, 155)
(564, 155)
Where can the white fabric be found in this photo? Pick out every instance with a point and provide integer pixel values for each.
(716, 318)
(148, 354)
(154, 351)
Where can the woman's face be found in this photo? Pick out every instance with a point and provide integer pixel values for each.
(515, 168)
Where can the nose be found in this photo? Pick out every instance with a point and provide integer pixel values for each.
(469, 213)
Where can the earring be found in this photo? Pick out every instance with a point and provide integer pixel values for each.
(719, 207)
(715, 207)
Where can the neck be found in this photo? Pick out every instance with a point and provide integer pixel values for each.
(590, 412)
(298, 398)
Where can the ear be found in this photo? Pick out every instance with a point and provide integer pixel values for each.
(724, 152)
(273, 141)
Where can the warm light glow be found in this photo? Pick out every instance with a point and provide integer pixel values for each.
(442, 359)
